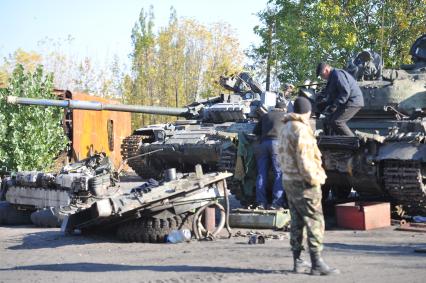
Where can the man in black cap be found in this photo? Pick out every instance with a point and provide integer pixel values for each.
(303, 176)
(266, 154)
(343, 99)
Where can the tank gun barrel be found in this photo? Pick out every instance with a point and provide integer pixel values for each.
(99, 106)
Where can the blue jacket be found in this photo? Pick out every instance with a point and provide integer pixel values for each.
(343, 90)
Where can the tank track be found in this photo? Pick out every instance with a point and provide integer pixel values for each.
(131, 147)
(227, 162)
(228, 159)
(404, 182)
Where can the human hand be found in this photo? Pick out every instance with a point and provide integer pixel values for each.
(330, 109)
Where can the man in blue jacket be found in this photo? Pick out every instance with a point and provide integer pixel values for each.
(268, 129)
(343, 98)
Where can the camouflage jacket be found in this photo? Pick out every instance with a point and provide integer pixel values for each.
(299, 154)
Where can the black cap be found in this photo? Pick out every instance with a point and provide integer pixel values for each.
(302, 105)
(320, 68)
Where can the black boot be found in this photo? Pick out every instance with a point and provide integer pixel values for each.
(300, 265)
(319, 267)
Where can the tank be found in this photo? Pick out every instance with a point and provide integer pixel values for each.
(387, 158)
(208, 135)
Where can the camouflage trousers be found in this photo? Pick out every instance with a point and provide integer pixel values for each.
(306, 212)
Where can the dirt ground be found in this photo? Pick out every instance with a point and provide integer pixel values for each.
(30, 254)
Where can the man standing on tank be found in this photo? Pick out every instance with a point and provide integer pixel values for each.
(303, 176)
(266, 153)
(343, 99)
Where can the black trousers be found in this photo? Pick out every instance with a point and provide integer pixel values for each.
(336, 122)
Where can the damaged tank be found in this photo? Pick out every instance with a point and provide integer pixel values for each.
(151, 211)
(387, 157)
(45, 198)
(208, 135)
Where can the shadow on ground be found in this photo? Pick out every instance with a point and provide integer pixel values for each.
(54, 239)
(103, 267)
(397, 250)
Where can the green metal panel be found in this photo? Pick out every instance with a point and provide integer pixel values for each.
(259, 219)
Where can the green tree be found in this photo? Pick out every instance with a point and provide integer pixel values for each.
(143, 66)
(30, 137)
(308, 31)
(180, 63)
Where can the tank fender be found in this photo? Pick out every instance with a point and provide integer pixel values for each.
(402, 151)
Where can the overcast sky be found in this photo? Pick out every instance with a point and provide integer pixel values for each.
(102, 28)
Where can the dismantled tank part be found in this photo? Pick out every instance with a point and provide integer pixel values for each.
(259, 219)
(11, 215)
(46, 217)
(76, 185)
(149, 213)
(170, 174)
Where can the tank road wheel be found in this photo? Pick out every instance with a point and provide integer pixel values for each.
(153, 230)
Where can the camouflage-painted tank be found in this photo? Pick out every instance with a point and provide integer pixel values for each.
(207, 136)
(388, 155)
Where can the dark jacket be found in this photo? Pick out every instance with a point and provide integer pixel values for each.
(343, 90)
(270, 125)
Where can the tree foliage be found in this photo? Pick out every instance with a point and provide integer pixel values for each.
(70, 71)
(179, 63)
(308, 31)
(30, 137)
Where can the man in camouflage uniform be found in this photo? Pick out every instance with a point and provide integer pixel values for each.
(303, 176)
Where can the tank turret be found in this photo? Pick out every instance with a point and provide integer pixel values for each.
(391, 93)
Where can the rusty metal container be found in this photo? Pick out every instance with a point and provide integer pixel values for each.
(363, 215)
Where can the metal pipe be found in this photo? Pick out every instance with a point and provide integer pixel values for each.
(170, 174)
